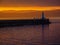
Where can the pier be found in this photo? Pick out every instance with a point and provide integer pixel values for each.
(42, 20)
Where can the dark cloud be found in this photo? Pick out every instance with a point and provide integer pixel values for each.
(32, 2)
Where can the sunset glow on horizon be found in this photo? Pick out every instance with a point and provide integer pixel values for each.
(29, 8)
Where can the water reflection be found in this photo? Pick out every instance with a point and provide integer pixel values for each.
(30, 35)
(45, 29)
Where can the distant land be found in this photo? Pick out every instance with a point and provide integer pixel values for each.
(27, 14)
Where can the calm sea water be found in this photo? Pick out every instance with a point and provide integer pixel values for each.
(31, 35)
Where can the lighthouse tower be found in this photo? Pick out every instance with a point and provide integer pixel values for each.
(43, 16)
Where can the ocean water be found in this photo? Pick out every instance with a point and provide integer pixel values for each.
(31, 34)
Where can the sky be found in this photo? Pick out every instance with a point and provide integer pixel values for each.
(30, 2)
(15, 8)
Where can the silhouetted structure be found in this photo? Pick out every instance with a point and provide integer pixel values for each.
(43, 17)
(19, 22)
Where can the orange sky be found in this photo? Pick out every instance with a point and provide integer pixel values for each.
(7, 13)
(30, 8)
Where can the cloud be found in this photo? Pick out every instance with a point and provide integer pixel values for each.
(31, 2)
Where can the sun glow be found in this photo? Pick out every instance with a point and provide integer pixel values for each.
(29, 8)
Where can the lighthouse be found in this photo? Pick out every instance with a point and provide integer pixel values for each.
(43, 19)
(43, 16)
